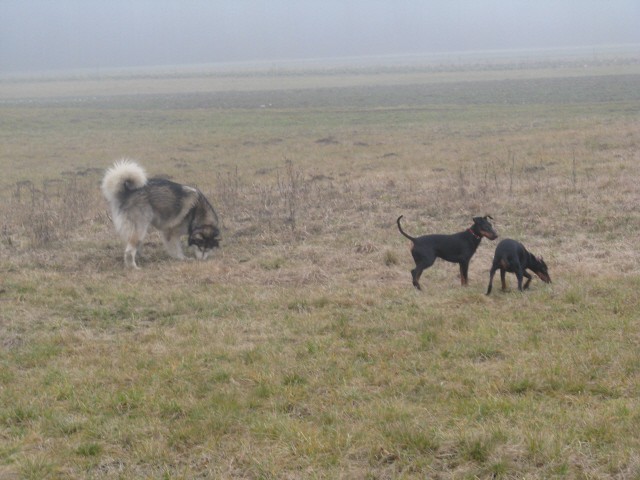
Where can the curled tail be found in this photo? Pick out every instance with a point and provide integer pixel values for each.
(402, 231)
(125, 175)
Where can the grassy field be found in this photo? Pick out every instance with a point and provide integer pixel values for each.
(301, 349)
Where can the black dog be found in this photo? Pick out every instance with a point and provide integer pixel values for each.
(511, 256)
(456, 248)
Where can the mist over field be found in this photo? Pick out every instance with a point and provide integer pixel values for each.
(39, 35)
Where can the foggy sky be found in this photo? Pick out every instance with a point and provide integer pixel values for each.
(37, 35)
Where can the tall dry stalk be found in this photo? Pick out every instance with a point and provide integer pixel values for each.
(512, 170)
(290, 187)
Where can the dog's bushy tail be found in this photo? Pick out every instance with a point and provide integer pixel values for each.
(125, 175)
(402, 231)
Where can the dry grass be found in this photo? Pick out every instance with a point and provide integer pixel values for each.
(301, 350)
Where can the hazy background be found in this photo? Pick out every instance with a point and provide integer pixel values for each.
(38, 35)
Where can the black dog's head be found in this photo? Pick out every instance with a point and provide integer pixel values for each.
(204, 239)
(541, 270)
(484, 228)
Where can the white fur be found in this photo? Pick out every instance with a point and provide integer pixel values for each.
(113, 184)
(199, 254)
(133, 211)
(115, 177)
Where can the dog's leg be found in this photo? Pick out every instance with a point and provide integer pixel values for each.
(422, 263)
(491, 274)
(130, 254)
(519, 271)
(503, 279)
(415, 277)
(464, 274)
(134, 243)
(171, 240)
(526, 284)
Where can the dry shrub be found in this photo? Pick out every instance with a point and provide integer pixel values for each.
(286, 198)
(390, 258)
(313, 276)
(51, 212)
(365, 247)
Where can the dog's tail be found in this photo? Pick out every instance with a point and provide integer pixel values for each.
(402, 231)
(124, 176)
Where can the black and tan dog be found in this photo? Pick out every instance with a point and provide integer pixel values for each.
(511, 256)
(457, 248)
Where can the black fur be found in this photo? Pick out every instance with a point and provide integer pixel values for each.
(457, 248)
(511, 256)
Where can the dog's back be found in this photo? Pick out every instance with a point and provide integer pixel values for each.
(451, 248)
(170, 201)
(510, 253)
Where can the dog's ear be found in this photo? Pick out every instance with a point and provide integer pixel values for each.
(488, 216)
(477, 219)
(210, 231)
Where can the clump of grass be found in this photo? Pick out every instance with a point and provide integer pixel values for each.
(36, 467)
(89, 450)
(273, 263)
(390, 258)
